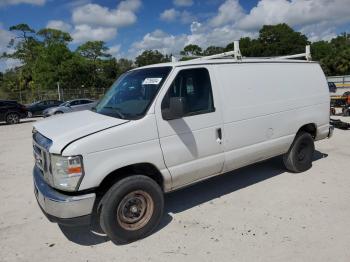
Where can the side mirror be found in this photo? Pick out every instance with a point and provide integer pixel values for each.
(176, 108)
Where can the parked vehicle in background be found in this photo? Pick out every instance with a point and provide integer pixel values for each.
(70, 106)
(332, 87)
(37, 108)
(341, 103)
(11, 112)
(166, 126)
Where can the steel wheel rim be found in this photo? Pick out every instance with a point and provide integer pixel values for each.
(12, 118)
(135, 210)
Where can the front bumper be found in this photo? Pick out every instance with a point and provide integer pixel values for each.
(59, 207)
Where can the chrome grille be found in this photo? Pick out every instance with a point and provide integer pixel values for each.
(41, 147)
(38, 157)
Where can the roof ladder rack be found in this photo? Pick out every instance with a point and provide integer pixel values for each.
(306, 55)
(236, 53)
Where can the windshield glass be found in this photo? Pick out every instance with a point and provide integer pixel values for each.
(65, 104)
(132, 94)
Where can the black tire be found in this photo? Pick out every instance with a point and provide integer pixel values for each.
(299, 156)
(123, 203)
(346, 112)
(12, 118)
(58, 112)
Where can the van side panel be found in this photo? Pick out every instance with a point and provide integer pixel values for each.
(265, 104)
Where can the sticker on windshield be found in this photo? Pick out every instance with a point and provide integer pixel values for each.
(151, 81)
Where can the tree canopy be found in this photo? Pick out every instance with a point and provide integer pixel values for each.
(46, 57)
(149, 57)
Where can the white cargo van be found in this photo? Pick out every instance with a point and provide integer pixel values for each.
(166, 126)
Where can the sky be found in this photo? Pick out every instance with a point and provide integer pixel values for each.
(131, 26)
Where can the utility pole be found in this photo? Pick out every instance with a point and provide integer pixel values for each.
(59, 91)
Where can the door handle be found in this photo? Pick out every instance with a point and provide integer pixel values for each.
(219, 135)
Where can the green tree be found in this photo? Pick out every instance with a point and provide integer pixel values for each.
(150, 57)
(26, 49)
(54, 37)
(124, 65)
(213, 50)
(94, 52)
(191, 50)
(24, 43)
(53, 52)
(281, 39)
(74, 73)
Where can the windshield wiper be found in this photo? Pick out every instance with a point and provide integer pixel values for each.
(117, 110)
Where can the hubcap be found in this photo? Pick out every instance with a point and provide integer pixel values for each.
(12, 118)
(135, 210)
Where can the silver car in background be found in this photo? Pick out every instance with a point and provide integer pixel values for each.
(70, 106)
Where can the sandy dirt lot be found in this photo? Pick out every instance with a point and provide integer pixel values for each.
(258, 213)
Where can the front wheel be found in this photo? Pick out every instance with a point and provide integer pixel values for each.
(131, 209)
(12, 118)
(299, 156)
(346, 112)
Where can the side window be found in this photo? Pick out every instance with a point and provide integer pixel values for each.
(193, 86)
(85, 102)
(75, 103)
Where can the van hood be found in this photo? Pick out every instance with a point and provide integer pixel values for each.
(66, 128)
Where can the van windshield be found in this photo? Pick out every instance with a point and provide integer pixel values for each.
(132, 94)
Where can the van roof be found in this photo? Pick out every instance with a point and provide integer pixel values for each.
(226, 61)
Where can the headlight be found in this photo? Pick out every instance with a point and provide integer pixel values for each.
(67, 172)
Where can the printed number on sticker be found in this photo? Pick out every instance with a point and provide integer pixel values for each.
(151, 81)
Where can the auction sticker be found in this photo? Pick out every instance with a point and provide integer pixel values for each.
(151, 81)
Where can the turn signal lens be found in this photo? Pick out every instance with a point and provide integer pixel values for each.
(74, 170)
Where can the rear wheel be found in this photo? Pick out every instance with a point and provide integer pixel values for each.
(12, 118)
(299, 157)
(131, 209)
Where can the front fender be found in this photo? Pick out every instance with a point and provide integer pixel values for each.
(100, 164)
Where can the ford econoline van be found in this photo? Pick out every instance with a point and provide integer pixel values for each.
(166, 126)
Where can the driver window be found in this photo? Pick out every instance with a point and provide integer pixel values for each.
(194, 86)
(75, 103)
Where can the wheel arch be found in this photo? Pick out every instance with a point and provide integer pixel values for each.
(146, 169)
(310, 128)
(12, 112)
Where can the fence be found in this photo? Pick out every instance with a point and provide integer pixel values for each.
(29, 96)
(342, 83)
(340, 80)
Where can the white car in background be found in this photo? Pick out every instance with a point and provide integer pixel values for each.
(70, 106)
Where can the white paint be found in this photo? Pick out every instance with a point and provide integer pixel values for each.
(259, 105)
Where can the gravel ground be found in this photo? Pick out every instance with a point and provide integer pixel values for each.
(258, 213)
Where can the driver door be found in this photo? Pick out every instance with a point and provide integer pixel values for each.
(192, 143)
